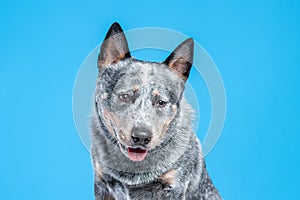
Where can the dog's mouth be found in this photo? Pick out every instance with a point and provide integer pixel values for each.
(136, 154)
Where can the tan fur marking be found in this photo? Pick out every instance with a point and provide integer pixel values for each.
(135, 87)
(155, 92)
(175, 65)
(169, 177)
(110, 59)
(174, 108)
(104, 96)
(164, 128)
(121, 57)
(101, 63)
(121, 133)
(111, 118)
(107, 116)
(109, 62)
(98, 169)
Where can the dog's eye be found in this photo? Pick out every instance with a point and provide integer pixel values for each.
(124, 97)
(161, 103)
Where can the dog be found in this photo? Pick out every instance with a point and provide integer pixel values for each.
(143, 145)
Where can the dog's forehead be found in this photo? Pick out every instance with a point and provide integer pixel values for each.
(148, 74)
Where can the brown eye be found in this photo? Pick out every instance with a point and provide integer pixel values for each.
(161, 103)
(124, 97)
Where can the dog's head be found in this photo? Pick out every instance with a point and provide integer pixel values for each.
(137, 101)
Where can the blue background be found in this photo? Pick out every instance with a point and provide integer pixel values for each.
(255, 45)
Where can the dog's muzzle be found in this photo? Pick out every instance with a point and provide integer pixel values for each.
(140, 137)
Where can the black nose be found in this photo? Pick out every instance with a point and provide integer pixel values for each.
(140, 136)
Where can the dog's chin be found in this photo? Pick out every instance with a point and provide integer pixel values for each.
(134, 154)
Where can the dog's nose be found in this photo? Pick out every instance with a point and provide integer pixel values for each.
(141, 136)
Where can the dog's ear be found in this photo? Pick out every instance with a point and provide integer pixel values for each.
(181, 59)
(114, 47)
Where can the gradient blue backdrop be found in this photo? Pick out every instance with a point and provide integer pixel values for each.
(255, 44)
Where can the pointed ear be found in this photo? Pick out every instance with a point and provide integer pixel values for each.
(181, 59)
(114, 47)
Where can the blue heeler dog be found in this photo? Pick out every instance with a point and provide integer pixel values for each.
(143, 146)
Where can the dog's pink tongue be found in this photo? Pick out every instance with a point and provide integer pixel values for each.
(136, 154)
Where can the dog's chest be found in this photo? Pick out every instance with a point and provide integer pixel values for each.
(154, 190)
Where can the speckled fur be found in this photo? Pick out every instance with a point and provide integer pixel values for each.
(174, 167)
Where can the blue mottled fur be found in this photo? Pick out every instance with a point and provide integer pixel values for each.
(174, 166)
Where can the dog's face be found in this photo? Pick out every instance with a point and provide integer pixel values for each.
(136, 100)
